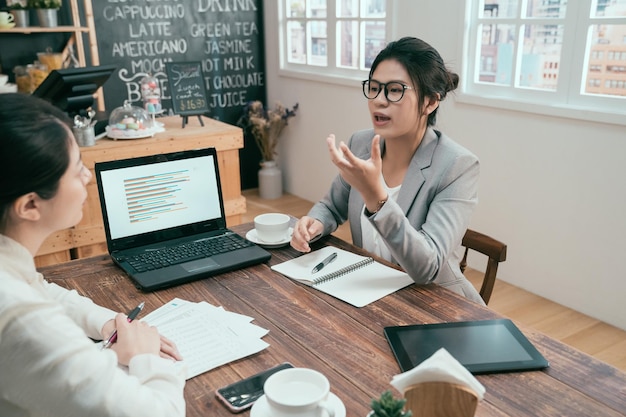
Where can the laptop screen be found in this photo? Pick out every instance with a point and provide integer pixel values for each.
(160, 194)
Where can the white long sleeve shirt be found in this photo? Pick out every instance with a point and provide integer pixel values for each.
(50, 367)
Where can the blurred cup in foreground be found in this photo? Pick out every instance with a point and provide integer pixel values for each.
(298, 392)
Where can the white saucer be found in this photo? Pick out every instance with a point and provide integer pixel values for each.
(129, 134)
(261, 409)
(254, 238)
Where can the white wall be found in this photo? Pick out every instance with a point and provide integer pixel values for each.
(552, 188)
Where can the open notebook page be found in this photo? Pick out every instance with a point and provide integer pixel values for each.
(353, 278)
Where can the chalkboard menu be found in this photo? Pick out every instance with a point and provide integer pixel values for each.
(187, 91)
(224, 36)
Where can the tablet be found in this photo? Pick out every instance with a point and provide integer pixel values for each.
(484, 346)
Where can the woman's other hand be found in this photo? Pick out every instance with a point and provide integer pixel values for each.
(169, 350)
(304, 231)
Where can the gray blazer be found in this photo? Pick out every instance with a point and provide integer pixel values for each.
(424, 227)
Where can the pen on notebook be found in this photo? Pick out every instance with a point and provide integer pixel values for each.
(131, 316)
(325, 262)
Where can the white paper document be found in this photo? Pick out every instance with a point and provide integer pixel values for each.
(206, 336)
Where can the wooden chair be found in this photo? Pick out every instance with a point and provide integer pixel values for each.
(440, 399)
(493, 249)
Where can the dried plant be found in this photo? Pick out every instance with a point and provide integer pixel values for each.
(265, 125)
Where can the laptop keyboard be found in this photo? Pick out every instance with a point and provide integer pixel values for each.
(161, 258)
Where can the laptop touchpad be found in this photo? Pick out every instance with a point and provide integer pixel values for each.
(200, 264)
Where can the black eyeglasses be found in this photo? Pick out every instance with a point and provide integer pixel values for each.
(394, 91)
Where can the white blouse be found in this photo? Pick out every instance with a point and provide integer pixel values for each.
(50, 367)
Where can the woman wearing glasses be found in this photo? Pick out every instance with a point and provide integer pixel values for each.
(407, 189)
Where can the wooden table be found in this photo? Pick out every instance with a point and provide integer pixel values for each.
(87, 238)
(311, 329)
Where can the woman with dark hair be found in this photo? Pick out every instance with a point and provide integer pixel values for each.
(407, 189)
(49, 364)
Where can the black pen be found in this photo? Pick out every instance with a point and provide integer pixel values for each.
(131, 316)
(325, 262)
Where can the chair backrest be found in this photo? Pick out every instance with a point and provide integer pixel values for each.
(440, 399)
(493, 249)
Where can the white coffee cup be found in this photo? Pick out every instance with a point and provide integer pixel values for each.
(272, 227)
(298, 392)
(3, 79)
(5, 18)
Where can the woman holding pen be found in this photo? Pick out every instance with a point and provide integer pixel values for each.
(49, 364)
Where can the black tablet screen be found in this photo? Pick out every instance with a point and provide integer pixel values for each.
(481, 346)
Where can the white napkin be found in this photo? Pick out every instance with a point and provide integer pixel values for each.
(440, 367)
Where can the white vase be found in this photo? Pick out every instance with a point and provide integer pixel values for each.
(270, 180)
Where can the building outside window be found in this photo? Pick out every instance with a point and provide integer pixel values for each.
(332, 37)
(567, 52)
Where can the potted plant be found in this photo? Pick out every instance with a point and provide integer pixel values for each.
(20, 11)
(388, 406)
(46, 11)
(265, 126)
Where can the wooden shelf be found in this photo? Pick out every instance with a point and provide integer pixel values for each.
(57, 29)
(77, 29)
(79, 26)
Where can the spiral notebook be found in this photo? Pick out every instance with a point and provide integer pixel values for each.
(356, 279)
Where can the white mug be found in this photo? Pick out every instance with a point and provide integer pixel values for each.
(5, 18)
(272, 227)
(298, 392)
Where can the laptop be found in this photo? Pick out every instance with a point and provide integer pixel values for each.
(153, 206)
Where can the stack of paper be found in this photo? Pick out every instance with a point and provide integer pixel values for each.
(206, 336)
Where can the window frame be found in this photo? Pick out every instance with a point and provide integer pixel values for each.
(333, 72)
(567, 101)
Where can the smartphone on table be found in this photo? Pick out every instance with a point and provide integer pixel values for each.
(241, 395)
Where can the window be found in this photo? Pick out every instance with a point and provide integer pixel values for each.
(550, 56)
(332, 37)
